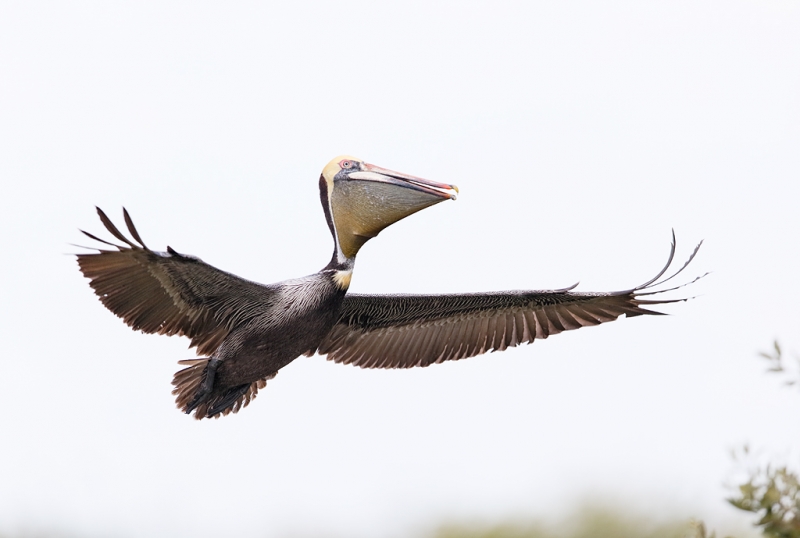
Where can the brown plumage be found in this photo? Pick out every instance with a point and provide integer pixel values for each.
(246, 332)
(403, 331)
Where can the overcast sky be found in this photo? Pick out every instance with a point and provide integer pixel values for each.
(579, 134)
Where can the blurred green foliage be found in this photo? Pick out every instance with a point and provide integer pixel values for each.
(589, 522)
(773, 493)
(778, 363)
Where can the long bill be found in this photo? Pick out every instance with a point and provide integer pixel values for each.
(371, 198)
(383, 175)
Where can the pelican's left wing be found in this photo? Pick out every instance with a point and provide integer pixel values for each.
(170, 293)
(403, 331)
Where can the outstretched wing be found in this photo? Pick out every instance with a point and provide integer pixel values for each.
(402, 331)
(169, 293)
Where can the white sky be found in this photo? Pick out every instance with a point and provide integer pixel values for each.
(579, 135)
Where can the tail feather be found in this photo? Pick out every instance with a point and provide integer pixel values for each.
(220, 402)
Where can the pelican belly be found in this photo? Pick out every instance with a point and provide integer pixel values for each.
(302, 314)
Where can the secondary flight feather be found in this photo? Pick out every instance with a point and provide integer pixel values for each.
(246, 332)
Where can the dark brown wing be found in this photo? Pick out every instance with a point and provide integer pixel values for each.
(402, 331)
(170, 293)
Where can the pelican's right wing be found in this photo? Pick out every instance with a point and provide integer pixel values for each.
(169, 293)
(403, 331)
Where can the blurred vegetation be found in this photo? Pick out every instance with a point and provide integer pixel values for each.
(590, 522)
(37, 534)
(778, 363)
(772, 492)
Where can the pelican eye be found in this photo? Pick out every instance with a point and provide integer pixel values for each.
(346, 164)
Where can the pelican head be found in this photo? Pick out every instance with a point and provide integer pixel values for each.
(361, 199)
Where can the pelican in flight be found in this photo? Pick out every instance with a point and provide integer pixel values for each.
(246, 332)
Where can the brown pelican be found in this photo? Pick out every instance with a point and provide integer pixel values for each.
(246, 332)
